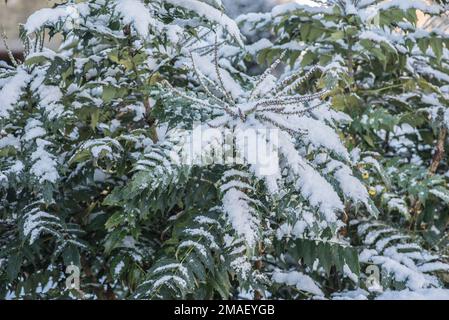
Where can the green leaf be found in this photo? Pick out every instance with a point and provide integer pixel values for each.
(71, 255)
(14, 263)
(441, 193)
(35, 59)
(109, 93)
(352, 259)
(437, 48)
(95, 117)
(325, 256)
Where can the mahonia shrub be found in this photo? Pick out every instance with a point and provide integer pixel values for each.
(393, 84)
(145, 154)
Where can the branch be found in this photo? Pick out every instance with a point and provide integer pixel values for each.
(267, 72)
(8, 50)
(217, 70)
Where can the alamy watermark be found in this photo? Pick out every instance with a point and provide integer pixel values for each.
(206, 145)
(72, 282)
(373, 280)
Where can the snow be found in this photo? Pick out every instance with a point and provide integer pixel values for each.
(98, 151)
(45, 16)
(165, 279)
(407, 294)
(206, 67)
(33, 130)
(241, 266)
(350, 9)
(9, 140)
(201, 233)
(317, 183)
(299, 280)
(138, 109)
(351, 275)
(241, 215)
(421, 294)
(440, 194)
(351, 186)
(192, 244)
(36, 222)
(118, 268)
(12, 90)
(50, 97)
(321, 135)
(172, 266)
(266, 86)
(50, 16)
(136, 13)
(319, 192)
(414, 280)
(312, 185)
(357, 294)
(371, 35)
(258, 46)
(434, 266)
(405, 261)
(44, 165)
(398, 204)
(406, 5)
(16, 168)
(212, 14)
(305, 5)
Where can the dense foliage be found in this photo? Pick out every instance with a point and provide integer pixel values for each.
(111, 162)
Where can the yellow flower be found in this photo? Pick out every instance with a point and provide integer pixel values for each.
(365, 175)
(372, 191)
